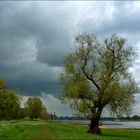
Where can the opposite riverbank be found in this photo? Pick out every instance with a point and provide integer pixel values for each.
(42, 130)
(106, 123)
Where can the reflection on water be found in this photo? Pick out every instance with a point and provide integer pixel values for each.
(108, 124)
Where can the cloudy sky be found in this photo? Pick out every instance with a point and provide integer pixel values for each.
(35, 37)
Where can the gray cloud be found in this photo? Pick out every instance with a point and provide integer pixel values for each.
(33, 42)
(36, 36)
(113, 17)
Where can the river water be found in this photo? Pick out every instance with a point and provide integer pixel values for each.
(108, 124)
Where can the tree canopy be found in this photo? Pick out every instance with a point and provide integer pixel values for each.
(34, 107)
(9, 104)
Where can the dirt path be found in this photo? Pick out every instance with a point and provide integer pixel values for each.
(44, 134)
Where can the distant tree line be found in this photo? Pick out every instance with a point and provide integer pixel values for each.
(10, 106)
(134, 117)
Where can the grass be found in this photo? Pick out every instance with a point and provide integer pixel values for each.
(41, 130)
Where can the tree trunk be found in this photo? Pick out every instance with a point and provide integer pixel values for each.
(94, 126)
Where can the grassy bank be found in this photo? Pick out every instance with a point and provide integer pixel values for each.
(39, 130)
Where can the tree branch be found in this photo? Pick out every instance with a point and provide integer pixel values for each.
(87, 76)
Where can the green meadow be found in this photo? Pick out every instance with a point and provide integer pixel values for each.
(46, 130)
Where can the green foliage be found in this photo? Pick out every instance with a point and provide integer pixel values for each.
(136, 117)
(9, 104)
(97, 74)
(2, 85)
(21, 113)
(34, 107)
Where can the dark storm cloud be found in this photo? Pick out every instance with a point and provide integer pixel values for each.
(33, 43)
(35, 78)
(36, 36)
(53, 32)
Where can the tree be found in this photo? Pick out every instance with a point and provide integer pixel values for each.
(46, 116)
(2, 86)
(97, 75)
(34, 107)
(9, 104)
(21, 113)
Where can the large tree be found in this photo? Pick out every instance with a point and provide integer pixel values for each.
(34, 107)
(9, 105)
(97, 75)
(9, 102)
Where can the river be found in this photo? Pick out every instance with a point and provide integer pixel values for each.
(108, 124)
